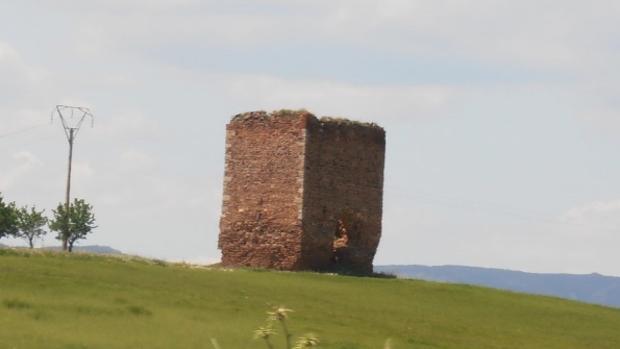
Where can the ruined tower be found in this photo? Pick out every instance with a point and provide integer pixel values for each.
(301, 192)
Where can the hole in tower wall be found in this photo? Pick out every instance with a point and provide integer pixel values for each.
(348, 242)
(341, 241)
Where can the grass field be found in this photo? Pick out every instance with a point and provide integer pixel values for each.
(53, 300)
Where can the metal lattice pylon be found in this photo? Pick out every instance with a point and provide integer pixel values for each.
(72, 119)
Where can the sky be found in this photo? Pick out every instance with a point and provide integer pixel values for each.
(502, 117)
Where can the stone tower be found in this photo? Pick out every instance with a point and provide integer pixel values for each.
(301, 192)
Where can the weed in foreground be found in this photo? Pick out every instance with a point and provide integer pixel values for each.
(279, 315)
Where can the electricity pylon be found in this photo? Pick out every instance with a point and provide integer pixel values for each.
(71, 119)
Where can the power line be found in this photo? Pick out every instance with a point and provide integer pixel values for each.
(20, 131)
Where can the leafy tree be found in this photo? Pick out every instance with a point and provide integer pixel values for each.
(30, 223)
(8, 218)
(73, 225)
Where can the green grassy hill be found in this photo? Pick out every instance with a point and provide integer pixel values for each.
(50, 300)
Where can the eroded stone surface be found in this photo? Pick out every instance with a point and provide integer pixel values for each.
(301, 192)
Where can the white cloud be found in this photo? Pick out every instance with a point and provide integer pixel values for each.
(20, 82)
(572, 45)
(82, 169)
(528, 33)
(20, 164)
(594, 212)
(12, 66)
(124, 124)
(537, 33)
(335, 98)
(19, 120)
(137, 158)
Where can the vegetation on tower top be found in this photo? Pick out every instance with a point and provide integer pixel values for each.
(289, 113)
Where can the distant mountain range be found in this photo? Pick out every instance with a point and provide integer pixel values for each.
(591, 288)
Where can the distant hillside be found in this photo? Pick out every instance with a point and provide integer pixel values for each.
(59, 301)
(591, 288)
(97, 249)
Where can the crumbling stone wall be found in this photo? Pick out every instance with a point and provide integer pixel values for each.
(261, 216)
(343, 189)
(302, 192)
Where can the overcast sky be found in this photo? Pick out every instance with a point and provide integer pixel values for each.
(502, 117)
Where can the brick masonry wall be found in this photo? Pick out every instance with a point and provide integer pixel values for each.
(294, 184)
(261, 212)
(343, 192)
